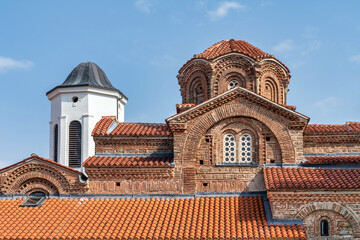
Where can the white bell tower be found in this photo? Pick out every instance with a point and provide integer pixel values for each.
(76, 106)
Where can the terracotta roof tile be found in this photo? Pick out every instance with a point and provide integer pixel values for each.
(292, 108)
(299, 178)
(349, 127)
(108, 161)
(232, 46)
(130, 129)
(333, 160)
(199, 218)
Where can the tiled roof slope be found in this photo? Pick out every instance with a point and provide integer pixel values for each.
(110, 161)
(349, 127)
(230, 46)
(199, 218)
(35, 157)
(333, 160)
(129, 129)
(299, 178)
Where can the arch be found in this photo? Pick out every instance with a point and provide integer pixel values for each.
(233, 76)
(35, 171)
(347, 213)
(207, 120)
(38, 185)
(232, 63)
(271, 90)
(32, 176)
(196, 90)
(75, 141)
(56, 142)
(237, 126)
(195, 69)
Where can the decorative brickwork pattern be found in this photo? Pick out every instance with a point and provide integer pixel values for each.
(40, 174)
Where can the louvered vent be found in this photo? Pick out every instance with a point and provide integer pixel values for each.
(56, 136)
(75, 144)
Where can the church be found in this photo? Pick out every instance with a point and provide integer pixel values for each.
(235, 162)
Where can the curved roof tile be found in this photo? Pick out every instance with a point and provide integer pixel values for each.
(299, 178)
(131, 161)
(130, 129)
(140, 218)
(233, 46)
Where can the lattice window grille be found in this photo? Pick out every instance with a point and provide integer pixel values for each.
(229, 148)
(245, 148)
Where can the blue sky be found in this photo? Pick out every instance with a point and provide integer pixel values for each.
(141, 45)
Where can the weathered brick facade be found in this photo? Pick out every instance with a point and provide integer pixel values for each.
(232, 124)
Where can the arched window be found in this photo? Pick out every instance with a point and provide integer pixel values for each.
(75, 144)
(324, 227)
(245, 148)
(56, 141)
(197, 93)
(232, 84)
(229, 148)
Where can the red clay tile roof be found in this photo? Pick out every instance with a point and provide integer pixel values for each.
(232, 46)
(293, 108)
(299, 178)
(349, 127)
(199, 218)
(41, 159)
(130, 129)
(333, 160)
(107, 161)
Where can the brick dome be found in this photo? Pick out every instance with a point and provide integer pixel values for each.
(232, 46)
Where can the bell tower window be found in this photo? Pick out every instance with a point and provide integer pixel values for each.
(56, 142)
(75, 144)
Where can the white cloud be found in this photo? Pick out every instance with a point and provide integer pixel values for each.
(224, 9)
(328, 105)
(7, 64)
(143, 5)
(313, 46)
(284, 46)
(355, 59)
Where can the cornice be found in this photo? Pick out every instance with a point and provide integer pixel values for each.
(232, 94)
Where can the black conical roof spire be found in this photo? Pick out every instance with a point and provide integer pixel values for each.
(87, 74)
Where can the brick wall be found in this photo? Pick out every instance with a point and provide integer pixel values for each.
(341, 209)
(331, 147)
(142, 145)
